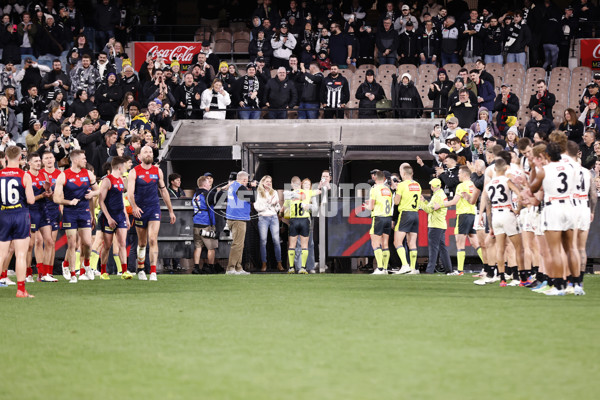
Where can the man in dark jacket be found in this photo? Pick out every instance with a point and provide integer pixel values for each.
(280, 95)
(368, 94)
(518, 36)
(187, 96)
(506, 105)
(107, 17)
(485, 90)
(538, 123)
(311, 91)
(408, 48)
(246, 94)
(464, 110)
(56, 80)
(438, 92)
(471, 37)
(449, 41)
(335, 93)
(569, 26)
(102, 151)
(386, 41)
(543, 97)
(407, 98)
(108, 97)
(10, 41)
(32, 105)
(89, 139)
(493, 38)
(50, 39)
(428, 44)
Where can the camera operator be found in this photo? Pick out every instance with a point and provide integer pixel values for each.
(205, 235)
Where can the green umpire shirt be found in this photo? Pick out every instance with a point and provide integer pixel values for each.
(436, 218)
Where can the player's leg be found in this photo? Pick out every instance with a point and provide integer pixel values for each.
(292, 240)
(461, 239)
(198, 245)
(519, 255)
(142, 237)
(385, 249)
(115, 251)
(304, 254)
(70, 258)
(500, 255)
(107, 242)
(153, 228)
(378, 252)
(5, 257)
(490, 244)
(413, 251)
(121, 240)
(29, 257)
(21, 247)
(96, 249)
(45, 256)
(52, 256)
(85, 240)
(572, 252)
(399, 245)
(474, 239)
(582, 238)
(553, 262)
(528, 244)
(38, 246)
(482, 246)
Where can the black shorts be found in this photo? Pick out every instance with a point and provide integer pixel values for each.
(408, 222)
(381, 226)
(465, 224)
(300, 227)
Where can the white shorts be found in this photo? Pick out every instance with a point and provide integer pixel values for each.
(505, 222)
(476, 225)
(584, 216)
(559, 217)
(536, 222)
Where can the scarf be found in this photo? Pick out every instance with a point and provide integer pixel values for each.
(250, 85)
(214, 102)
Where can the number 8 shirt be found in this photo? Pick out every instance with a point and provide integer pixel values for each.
(408, 220)
(559, 186)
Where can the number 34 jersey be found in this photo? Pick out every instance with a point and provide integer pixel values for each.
(411, 194)
(560, 181)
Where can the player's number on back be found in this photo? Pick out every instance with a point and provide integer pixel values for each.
(299, 210)
(415, 204)
(563, 181)
(388, 206)
(502, 191)
(581, 186)
(9, 191)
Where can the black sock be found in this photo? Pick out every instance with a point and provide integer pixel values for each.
(535, 270)
(524, 275)
(502, 277)
(550, 281)
(539, 276)
(197, 266)
(560, 283)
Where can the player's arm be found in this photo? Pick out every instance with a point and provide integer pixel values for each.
(397, 197)
(427, 206)
(593, 196)
(483, 205)
(488, 211)
(30, 197)
(473, 198)
(135, 210)
(94, 189)
(104, 187)
(537, 179)
(516, 190)
(165, 195)
(59, 194)
(370, 204)
(454, 201)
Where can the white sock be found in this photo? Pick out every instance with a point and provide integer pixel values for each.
(141, 255)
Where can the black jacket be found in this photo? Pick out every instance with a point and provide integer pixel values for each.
(281, 94)
(428, 44)
(311, 87)
(367, 107)
(89, 143)
(131, 84)
(547, 100)
(52, 77)
(387, 40)
(517, 37)
(81, 109)
(265, 46)
(493, 38)
(408, 44)
(544, 125)
(108, 98)
(504, 111)
(187, 96)
(440, 97)
(11, 44)
(467, 113)
(408, 99)
(474, 42)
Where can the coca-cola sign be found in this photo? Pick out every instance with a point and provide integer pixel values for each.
(169, 51)
(590, 53)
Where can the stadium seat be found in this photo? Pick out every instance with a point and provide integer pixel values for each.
(223, 35)
(222, 47)
(241, 36)
(241, 47)
(242, 71)
(387, 69)
(347, 73)
(469, 66)
(514, 67)
(365, 67)
(452, 70)
(429, 71)
(495, 68)
(523, 116)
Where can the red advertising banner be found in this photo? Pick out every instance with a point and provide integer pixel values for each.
(590, 53)
(169, 51)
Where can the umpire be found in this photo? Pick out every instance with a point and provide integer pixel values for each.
(436, 222)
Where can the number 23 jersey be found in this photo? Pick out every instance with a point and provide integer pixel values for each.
(560, 181)
(411, 193)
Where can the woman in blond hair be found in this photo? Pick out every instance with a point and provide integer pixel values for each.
(267, 205)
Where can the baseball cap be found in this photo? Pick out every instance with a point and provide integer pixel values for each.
(405, 7)
(260, 59)
(208, 174)
(538, 108)
(87, 121)
(443, 150)
(597, 75)
(506, 85)
(452, 120)
(374, 171)
(435, 182)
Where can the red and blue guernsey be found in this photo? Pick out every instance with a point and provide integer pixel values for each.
(114, 205)
(52, 210)
(36, 210)
(14, 213)
(77, 184)
(146, 194)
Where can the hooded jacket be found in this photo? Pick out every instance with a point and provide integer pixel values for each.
(407, 98)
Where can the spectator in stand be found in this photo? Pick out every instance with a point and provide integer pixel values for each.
(366, 45)
(506, 105)
(335, 93)
(387, 41)
(517, 36)
(55, 120)
(81, 106)
(8, 119)
(260, 46)
(538, 123)
(311, 91)
(407, 45)
(32, 105)
(353, 12)
(64, 145)
(483, 74)
(84, 76)
(454, 92)
(267, 11)
(226, 78)
(571, 126)
(591, 91)
(449, 174)
(493, 39)
(215, 99)
(89, 139)
(543, 97)
(8, 77)
(569, 27)
(28, 31)
(108, 97)
(551, 37)
(464, 110)
(485, 90)
(34, 135)
(407, 98)
(471, 37)
(280, 95)
(283, 43)
(438, 92)
(323, 41)
(368, 94)
(188, 97)
(340, 47)
(103, 66)
(590, 116)
(405, 17)
(390, 12)
(588, 156)
(101, 155)
(428, 44)
(50, 41)
(31, 74)
(128, 80)
(11, 43)
(432, 8)
(247, 94)
(208, 71)
(449, 41)
(106, 18)
(587, 15)
(56, 80)
(463, 153)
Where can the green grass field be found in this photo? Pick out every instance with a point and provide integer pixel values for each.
(298, 337)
